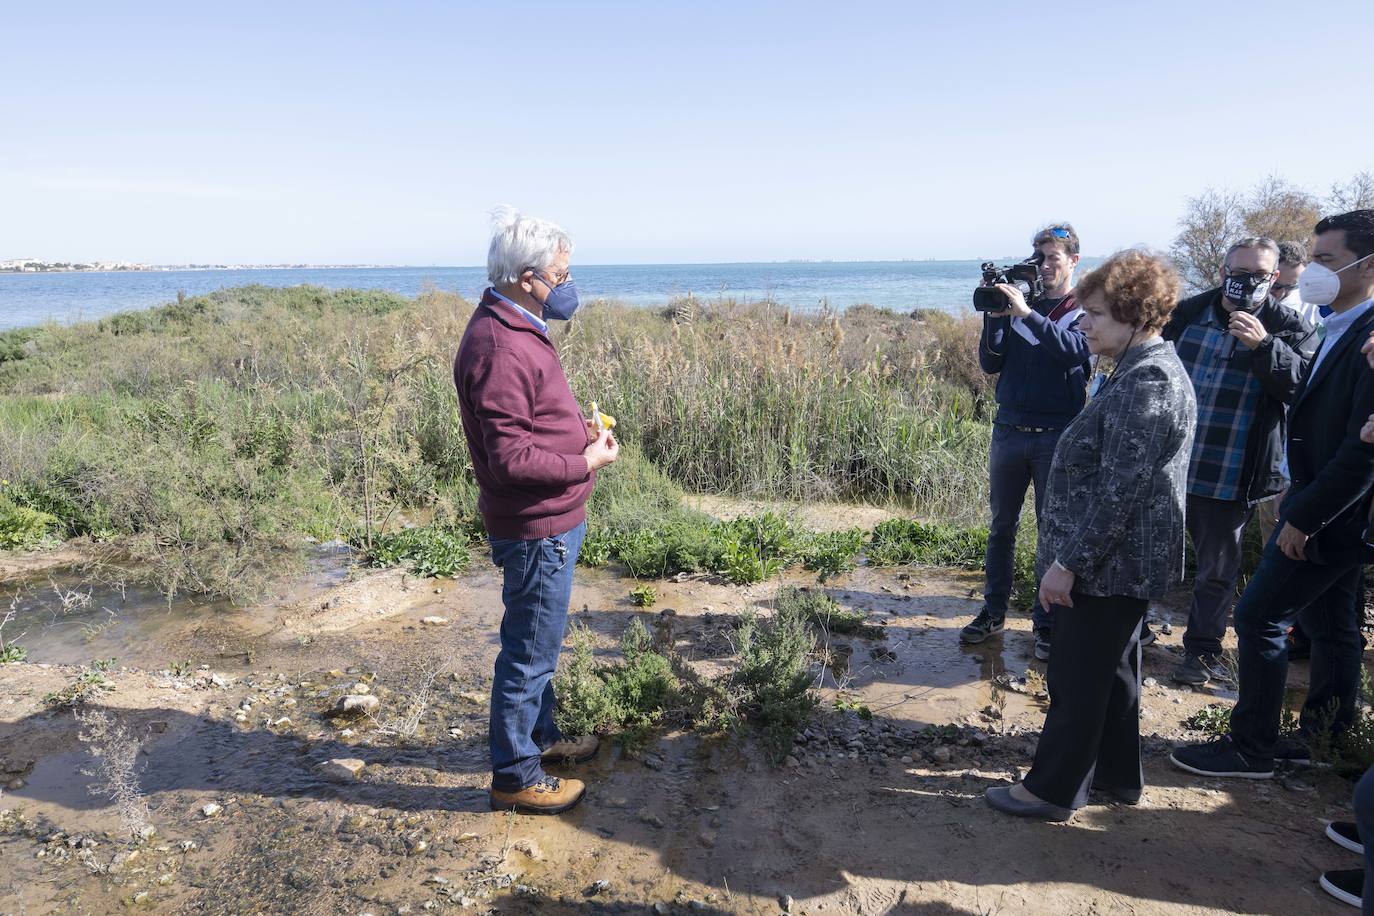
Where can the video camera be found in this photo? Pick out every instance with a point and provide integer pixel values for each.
(1024, 275)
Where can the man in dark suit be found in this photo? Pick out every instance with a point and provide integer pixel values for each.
(1310, 569)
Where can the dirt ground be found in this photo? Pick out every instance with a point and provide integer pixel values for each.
(880, 816)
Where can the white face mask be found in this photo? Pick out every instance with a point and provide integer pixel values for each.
(1320, 285)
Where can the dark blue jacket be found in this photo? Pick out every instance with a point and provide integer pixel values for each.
(1044, 385)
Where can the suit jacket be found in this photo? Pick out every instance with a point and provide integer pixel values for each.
(1332, 470)
(1113, 510)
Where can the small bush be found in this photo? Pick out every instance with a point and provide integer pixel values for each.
(89, 682)
(821, 610)
(629, 697)
(643, 596)
(436, 550)
(897, 542)
(11, 653)
(22, 528)
(832, 553)
(772, 677)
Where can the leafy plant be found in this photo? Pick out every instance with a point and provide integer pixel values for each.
(832, 553)
(22, 528)
(89, 682)
(823, 611)
(428, 551)
(643, 596)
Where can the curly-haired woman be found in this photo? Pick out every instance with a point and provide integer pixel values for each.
(1111, 538)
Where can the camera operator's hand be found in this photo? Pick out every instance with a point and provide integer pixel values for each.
(1367, 431)
(1247, 329)
(1016, 307)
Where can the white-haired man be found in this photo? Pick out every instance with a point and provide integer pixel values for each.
(535, 460)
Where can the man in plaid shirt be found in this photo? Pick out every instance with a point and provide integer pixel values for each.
(1245, 355)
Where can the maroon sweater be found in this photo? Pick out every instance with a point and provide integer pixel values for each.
(524, 428)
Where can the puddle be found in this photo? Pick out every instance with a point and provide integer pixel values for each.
(66, 618)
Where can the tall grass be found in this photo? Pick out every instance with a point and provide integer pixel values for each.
(209, 435)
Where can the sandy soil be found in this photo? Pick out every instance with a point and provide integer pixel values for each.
(880, 816)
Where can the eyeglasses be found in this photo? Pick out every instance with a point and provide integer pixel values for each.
(1282, 289)
(557, 280)
(1058, 232)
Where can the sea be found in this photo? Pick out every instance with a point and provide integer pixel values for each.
(34, 298)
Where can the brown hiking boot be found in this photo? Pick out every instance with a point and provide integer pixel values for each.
(576, 750)
(549, 795)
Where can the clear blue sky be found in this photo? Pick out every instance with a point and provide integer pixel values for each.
(657, 132)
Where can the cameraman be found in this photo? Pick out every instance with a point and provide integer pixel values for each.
(1041, 359)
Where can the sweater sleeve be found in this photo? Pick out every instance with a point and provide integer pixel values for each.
(992, 344)
(1068, 346)
(502, 390)
(1132, 449)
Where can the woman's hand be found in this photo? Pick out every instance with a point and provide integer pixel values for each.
(1293, 542)
(1056, 586)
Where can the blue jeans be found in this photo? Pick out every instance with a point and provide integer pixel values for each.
(1364, 821)
(538, 587)
(1324, 599)
(1018, 460)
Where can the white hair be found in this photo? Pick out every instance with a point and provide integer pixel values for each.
(520, 243)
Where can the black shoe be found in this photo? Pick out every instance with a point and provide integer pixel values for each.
(1346, 885)
(1000, 797)
(1197, 670)
(1042, 645)
(1346, 835)
(1294, 750)
(983, 626)
(1219, 758)
(1120, 796)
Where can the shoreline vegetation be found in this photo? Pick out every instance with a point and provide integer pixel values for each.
(207, 439)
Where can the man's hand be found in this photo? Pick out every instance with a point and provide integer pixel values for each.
(1056, 586)
(1016, 303)
(1292, 542)
(1368, 349)
(605, 450)
(1247, 329)
(1367, 431)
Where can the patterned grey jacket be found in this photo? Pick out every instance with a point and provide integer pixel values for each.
(1113, 511)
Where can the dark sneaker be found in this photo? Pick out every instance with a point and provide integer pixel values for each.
(983, 626)
(1197, 670)
(1346, 885)
(1042, 645)
(1294, 750)
(549, 795)
(1219, 758)
(1345, 835)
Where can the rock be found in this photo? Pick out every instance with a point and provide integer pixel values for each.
(342, 769)
(942, 754)
(283, 722)
(360, 687)
(434, 621)
(355, 705)
(1150, 682)
(785, 902)
(597, 887)
(14, 785)
(707, 838)
(792, 762)
(211, 809)
(220, 680)
(530, 848)
(653, 820)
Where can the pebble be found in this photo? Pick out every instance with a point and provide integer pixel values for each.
(360, 687)
(598, 887)
(1150, 682)
(356, 705)
(434, 621)
(342, 769)
(211, 809)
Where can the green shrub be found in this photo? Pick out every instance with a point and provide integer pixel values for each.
(643, 596)
(772, 677)
(629, 697)
(897, 542)
(433, 550)
(22, 528)
(821, 610)
(832, 553)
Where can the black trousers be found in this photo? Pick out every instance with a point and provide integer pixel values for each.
(1092, 731)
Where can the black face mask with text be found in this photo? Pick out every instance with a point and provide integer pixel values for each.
(1247, 291)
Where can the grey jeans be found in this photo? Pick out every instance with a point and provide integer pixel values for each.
(1217, 528)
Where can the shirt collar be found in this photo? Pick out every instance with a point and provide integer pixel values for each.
(1336, 323)
(538, 323)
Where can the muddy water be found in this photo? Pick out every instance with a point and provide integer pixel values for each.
(67, 617)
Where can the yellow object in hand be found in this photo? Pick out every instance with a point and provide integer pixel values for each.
(601, 420)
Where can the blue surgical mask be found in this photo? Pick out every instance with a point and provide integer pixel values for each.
(561, 301)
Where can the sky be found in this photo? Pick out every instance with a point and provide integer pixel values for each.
(662, 132)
